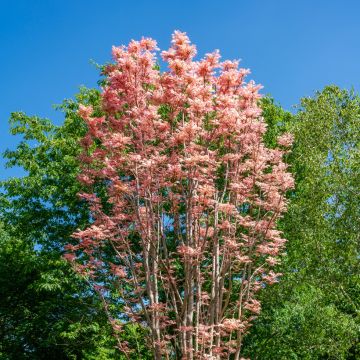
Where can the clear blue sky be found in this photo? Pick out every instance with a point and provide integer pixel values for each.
(293, 47)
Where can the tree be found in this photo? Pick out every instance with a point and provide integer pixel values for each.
(313, 313)
(185, 235)
(45, 311)
(42, 205)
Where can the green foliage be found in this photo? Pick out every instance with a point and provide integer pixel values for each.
(44, 202)
(46, 312)
(277, 120)
(314, 312)
(303, 326)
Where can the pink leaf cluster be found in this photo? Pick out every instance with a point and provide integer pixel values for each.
(186, 234)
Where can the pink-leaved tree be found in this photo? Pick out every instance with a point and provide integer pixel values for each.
(184, 200)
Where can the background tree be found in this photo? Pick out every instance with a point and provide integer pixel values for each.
(313, 313)
(45, 310)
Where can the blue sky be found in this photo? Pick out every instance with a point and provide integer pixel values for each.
(293, 47)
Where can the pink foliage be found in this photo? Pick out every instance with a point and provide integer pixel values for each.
(194, 198)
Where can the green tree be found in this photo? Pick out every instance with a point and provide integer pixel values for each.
(313, 313)
(46, 312)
